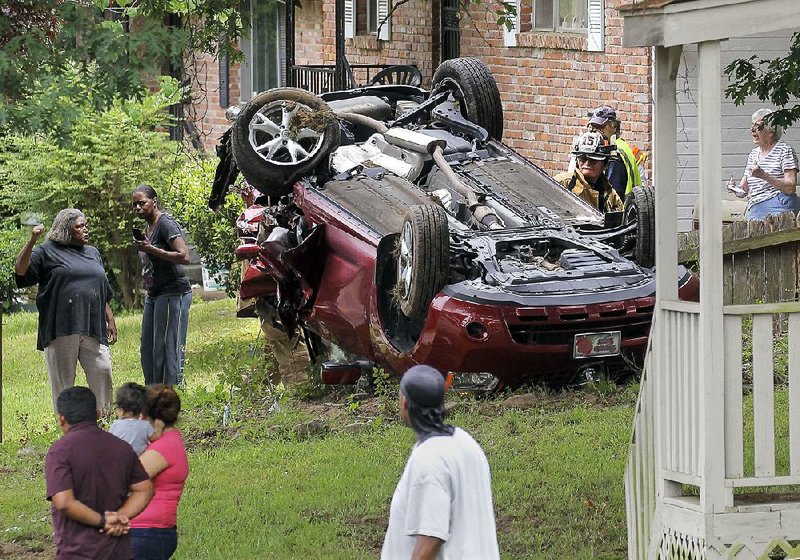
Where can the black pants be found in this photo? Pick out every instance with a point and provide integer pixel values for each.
(154, 544)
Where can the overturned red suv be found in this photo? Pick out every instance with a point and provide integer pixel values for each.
(389, 226)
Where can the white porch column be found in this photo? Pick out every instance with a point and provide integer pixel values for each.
(665, 173)
(665, 180)
(711, 334)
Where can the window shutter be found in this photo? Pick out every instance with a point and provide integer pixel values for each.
(510, 35)
(384, 27)
(596, 24)
(281, 13)
(246, 67)
(349, 18)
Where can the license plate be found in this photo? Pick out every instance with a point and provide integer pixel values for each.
(593, 345)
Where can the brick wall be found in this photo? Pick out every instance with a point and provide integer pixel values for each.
(411, 41)
(314, 33)
(207, 114)
(549, 86)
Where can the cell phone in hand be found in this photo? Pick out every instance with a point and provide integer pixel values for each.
(137, 234)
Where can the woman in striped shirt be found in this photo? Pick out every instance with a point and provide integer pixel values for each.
(770, 178)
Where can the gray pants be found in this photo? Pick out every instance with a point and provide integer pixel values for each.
(165, 321)
(62, 355)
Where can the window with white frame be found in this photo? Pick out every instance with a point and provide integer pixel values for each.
(581, 17)
(371, 19)
(264, 48)
(561, 15)
(367, 17)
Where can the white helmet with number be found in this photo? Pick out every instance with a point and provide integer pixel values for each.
(593, 145)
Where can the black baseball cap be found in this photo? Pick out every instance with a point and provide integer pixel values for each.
(423, 386)
(602, 115)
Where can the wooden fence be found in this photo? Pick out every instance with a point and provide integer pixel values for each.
(760, 259)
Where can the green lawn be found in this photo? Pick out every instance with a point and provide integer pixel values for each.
(258, 490)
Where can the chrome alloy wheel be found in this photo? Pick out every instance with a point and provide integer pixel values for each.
(405, 260)
(274, 138)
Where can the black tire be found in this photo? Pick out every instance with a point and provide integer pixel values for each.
(423, 258)
(480, 98)
(275, 173)
(640, 208)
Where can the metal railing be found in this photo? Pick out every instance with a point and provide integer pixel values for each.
(319, 78)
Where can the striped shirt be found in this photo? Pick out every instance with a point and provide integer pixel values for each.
(781, 158)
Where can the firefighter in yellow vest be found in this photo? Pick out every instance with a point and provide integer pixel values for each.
(622, 171)
(592, 152)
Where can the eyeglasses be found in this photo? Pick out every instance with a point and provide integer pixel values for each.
(758, 125)
(584, 159)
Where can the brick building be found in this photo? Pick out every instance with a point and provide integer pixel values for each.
(562, 59)
(548, 83)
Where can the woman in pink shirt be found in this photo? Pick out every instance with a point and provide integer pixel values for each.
(154, 532)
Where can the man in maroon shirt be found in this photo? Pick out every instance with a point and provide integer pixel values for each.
(95, 482)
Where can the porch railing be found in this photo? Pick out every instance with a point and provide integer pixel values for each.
(763, 468)
(760, 442)
(319, 78)
(315, 78)
(640, 484)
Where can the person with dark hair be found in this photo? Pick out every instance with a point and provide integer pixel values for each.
(76, 323)
(165, 320)
(132, 424)
(154, 531)
(623, 170)
(95, 482)
(442, 507)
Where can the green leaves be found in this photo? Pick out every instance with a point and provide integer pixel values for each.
(774, 81)
(506, 15)
(59, 57)
(185, 196)
(107, 154)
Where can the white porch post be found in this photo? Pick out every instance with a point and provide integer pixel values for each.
(665, 143)
(665, 178)
(712, 427)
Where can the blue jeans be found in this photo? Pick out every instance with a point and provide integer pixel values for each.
(165, 322)
(154, 544)
(778, 204)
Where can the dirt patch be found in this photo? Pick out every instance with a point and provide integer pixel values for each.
(369, 529)
(28, 550)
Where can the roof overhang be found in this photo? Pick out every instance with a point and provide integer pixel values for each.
(668, 23)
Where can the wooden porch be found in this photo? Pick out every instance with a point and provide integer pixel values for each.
(715, 453)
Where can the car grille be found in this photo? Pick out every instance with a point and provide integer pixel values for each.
(564, 334)
(558, 326)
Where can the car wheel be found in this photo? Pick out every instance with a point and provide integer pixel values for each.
(477, 92)
(422, 259)
(640, 208)
(281, 135)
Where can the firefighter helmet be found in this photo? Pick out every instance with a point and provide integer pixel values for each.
(593, 145)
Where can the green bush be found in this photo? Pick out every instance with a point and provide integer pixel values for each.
(11, 241)
(185, 196)
(108, 155)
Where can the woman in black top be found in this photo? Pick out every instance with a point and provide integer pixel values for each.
(169, 293)
(75, 319)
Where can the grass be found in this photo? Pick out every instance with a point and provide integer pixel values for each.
(26, 389)
(261, 488)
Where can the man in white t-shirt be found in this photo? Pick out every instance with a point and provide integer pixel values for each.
(442, 506)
